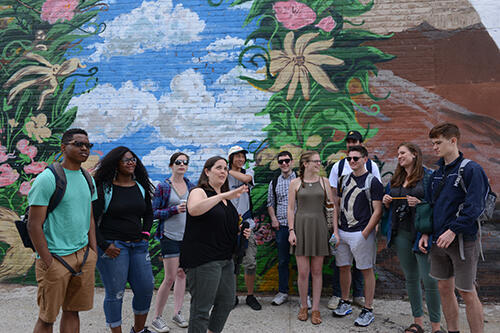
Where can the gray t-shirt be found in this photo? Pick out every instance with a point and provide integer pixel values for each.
(242, 203)
(174, 226)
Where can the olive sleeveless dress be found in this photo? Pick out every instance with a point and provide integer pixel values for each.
(310, 222)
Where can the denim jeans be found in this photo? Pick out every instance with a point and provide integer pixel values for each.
(133, 265)
(283, 258)
(357, 281)
(212, 287)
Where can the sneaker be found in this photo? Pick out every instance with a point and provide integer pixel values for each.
(333, 302)
(279, 299)
(365, 318)
(359, 301)
(309, 304)
(144, 330)
(253, 303)
(343, 309)
(159, 325)
(179, 320)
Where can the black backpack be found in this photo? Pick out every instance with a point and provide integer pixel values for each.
(55, 199)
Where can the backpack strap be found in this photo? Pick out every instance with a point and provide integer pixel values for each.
(367, 188)
(274, 184)
(341, 168)
(88, 178)
(460, 178)
(369, 166)
(60, 178)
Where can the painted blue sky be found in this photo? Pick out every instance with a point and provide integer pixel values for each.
(168, 81)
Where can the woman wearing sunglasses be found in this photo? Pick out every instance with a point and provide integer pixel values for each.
(406, 190)
(308, 230)
(124, 218)
(169, 205)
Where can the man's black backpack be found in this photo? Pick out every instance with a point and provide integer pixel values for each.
(55, 199)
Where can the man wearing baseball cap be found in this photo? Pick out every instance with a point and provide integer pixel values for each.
(353, 138)
(238, 176)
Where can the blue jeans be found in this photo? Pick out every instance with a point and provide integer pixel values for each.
(133, 265)
(283, 258)
(357, 281)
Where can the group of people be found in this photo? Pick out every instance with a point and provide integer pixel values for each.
(105, 222)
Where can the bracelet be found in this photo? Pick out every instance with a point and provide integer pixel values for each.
(291, 230)
(146, 233)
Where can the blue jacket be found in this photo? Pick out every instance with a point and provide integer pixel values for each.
(387, 218)
(446, 206)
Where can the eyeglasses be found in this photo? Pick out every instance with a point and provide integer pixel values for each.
(286, 160)
(355, 158)
(80, 144)
(179, 162)
(127, 160)
(315, 161)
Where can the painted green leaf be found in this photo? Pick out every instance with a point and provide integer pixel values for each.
(259, 7)
(363, 52)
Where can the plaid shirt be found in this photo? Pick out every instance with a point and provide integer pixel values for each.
(161, 210)
(282, 197)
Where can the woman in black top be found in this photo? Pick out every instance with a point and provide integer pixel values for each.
(124, 217)
(208, 245)
(406, 190)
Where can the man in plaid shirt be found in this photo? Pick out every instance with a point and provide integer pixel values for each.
(277, 204)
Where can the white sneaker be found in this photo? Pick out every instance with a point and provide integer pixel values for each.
(333, 302)
(160, 326)
(180, 321)
(279, 299)
(359, 301)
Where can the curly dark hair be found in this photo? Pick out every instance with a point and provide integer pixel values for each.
(107, 167)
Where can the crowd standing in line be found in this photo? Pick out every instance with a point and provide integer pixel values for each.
(199, 238)
(124, 217)
(169, 206)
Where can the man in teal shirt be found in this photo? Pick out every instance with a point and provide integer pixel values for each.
(66, 231)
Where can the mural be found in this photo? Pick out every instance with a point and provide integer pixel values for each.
(202, 75)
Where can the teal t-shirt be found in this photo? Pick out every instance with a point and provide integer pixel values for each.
(66, 227)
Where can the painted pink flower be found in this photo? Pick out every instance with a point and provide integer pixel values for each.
(55, 10)
(35, 167)
(7, 175)
(24, 147)
(264, 234)
(327, 24)
(294, 15)
(25, 188)
(3, 154)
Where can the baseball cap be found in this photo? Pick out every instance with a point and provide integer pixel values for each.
(236, 149)
(354, 135)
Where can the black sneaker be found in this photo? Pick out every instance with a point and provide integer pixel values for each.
(236, 301)
(253, 303)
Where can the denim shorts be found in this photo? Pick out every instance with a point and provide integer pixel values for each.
(170, 248)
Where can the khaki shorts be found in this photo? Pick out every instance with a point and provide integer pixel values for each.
(249, 261)
(58, 288)
(446, 263)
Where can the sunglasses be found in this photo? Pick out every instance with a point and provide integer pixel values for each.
(179, 162)
(127, 160)
(80, 144)
(286, 160)
(355, 158)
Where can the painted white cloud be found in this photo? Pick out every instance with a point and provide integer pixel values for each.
(243, 6)
(188, 115)
(155, 25)
(223, 49)
(149, 85)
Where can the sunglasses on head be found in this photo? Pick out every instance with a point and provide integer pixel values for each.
(80, 144)
(179, 162)
(355, 158)
(126, 160)
(285, 160)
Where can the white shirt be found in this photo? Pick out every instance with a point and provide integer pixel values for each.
(334, 179)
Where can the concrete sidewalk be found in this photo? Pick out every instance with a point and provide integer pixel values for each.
(19, 311)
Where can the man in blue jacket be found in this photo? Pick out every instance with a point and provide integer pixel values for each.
(455, 251)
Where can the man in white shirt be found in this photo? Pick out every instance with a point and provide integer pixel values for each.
(353, 138)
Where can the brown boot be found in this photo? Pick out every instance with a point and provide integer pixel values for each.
(315, 318)
(302, 314)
